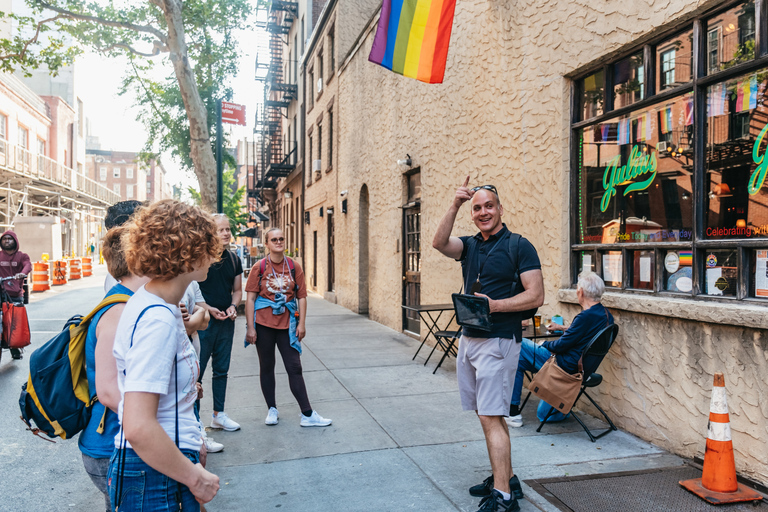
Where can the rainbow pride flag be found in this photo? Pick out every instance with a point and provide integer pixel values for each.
(412, 38)
(686, 258)
(666, 120)
(746, 94)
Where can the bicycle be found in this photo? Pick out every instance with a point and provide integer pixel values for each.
(4, 298)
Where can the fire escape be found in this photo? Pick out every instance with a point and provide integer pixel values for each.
(278, 155)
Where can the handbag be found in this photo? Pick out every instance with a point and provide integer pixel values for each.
(15, 326)
(556, 386)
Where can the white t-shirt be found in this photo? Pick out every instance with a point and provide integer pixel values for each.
(147, 365)
(192, 296)
(109, 282)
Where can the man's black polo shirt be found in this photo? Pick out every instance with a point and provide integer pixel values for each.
(218, 285)
(496, 277)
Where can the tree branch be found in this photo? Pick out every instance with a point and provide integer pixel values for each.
(125, 46)
(23, 51)
(101, 21)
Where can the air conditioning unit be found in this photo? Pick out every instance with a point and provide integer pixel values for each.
(317, 165)
(319, 85)
(662, 146)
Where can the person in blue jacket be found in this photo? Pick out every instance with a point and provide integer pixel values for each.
(567, 349)
(97, 440)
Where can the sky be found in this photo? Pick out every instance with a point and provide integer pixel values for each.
(113, 117)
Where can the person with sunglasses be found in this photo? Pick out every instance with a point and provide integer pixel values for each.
(276, 310)
(486, 364)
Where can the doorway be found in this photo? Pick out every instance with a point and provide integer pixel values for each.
(331, 259)
(411, 266)
(362, 300)
(314, 260)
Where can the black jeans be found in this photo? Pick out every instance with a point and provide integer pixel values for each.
(216, 342)
(267, 339)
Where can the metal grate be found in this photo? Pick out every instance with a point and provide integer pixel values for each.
(654, 490)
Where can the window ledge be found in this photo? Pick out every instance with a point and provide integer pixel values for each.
(328, 169)
(740, 315)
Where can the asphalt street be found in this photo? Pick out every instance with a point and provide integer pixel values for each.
(399, 440)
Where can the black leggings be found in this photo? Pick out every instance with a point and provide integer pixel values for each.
(266, 340)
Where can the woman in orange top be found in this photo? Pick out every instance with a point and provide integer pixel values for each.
(276, 309)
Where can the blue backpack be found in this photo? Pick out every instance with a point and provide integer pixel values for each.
(55, 397)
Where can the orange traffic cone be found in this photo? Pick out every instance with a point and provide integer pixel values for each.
(718, 484)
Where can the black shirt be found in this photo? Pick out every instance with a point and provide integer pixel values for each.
(493, 255)
(219, 284)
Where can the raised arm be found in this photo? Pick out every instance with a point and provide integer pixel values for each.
(452, 246)
(531, 297)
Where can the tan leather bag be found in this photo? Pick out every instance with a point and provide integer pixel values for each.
(556, 386)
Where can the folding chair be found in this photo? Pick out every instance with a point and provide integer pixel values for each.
(592, 356)
(447, 342)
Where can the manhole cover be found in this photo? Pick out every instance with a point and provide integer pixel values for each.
(651, 490)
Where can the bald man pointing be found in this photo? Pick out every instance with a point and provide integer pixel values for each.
(486, 364)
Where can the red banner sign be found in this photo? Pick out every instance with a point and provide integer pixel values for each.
(232, 113)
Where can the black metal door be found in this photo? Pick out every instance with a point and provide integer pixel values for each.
(411, 266)
(331, 258)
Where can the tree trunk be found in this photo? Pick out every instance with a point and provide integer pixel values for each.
(200, 139)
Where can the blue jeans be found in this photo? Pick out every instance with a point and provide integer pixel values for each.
(147, 490)
(532, 358)
(216, 342)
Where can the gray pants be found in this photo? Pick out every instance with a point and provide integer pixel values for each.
(97, 470)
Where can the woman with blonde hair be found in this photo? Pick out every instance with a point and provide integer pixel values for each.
(156, 465)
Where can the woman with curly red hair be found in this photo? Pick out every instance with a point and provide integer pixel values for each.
(157, 461)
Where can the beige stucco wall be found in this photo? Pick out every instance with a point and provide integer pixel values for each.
(502, 116)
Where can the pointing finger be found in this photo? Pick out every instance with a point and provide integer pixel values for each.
(466, 181)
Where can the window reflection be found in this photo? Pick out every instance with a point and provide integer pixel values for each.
(629, 80)
(731, 37)
(592, 95)
(635, 176)
(737, 122)
(720, 274)
(673, 61)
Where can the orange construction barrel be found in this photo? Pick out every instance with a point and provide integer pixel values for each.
(74, 269)
(87, 268)
(41, 280)
(59, 272)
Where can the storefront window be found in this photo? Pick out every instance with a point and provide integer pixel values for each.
(643, 271)
(629, 81)
(613, 265)
(673, 61)
(721, 273)
(737, 122)
(586, 262)
(678, 271)
(731, 37)
(635, 176)
(592, 95)
(759, 274)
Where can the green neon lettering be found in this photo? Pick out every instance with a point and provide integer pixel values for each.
(757, 179)
(637, 165)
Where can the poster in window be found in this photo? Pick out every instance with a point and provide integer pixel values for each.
(761, 274)
(612, 268)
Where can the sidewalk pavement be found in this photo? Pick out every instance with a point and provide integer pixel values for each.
(399, 439)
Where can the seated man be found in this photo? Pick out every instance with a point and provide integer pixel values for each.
(567, 349)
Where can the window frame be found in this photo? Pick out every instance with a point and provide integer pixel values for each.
(701, 80)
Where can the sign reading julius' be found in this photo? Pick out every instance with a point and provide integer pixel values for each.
(638, 165)
(232, 113)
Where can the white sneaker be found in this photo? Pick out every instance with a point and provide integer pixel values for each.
(223, 421)
(315, 420)
(211, 445)
(272, 416)
(515, 421)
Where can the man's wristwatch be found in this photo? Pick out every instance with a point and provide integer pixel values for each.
(233, 306)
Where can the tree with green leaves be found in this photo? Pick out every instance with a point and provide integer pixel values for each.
(196, 36)
(232, 202)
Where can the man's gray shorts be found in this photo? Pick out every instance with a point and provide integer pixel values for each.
(486, 369)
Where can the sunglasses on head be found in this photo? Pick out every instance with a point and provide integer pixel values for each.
(486, 187)
(275, 240)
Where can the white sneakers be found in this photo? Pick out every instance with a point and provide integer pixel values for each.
(515, 421)
(212, 446)
(272, 416)
(224, 422)
(315, 420)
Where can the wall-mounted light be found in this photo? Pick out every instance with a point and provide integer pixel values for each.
(329, 210)
(288, 194)
(407, 161)
(343, 193)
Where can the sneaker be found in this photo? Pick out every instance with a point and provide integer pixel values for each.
(16, 353)
(272, 416)
(315, 420)
(496, 503)
(484, 489)
(212, 446)
(223, 421)
(515, 421)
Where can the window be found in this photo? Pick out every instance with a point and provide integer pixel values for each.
(129, 173)
(296, 60)
(40, 147)
(311, 88)
(638, 182)
(116, 188)
(288, 68)
(320, 144)
(102, 174)
(23, 137)
(3, 127)
(332, 50)
(330, 138)
(149, 187)
(303, 35)
(80, 117)
(311, 161)
(320, 71)
(115, 172)
(129, 191)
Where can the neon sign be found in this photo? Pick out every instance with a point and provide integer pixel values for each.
(639, 164)
(758, 175)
